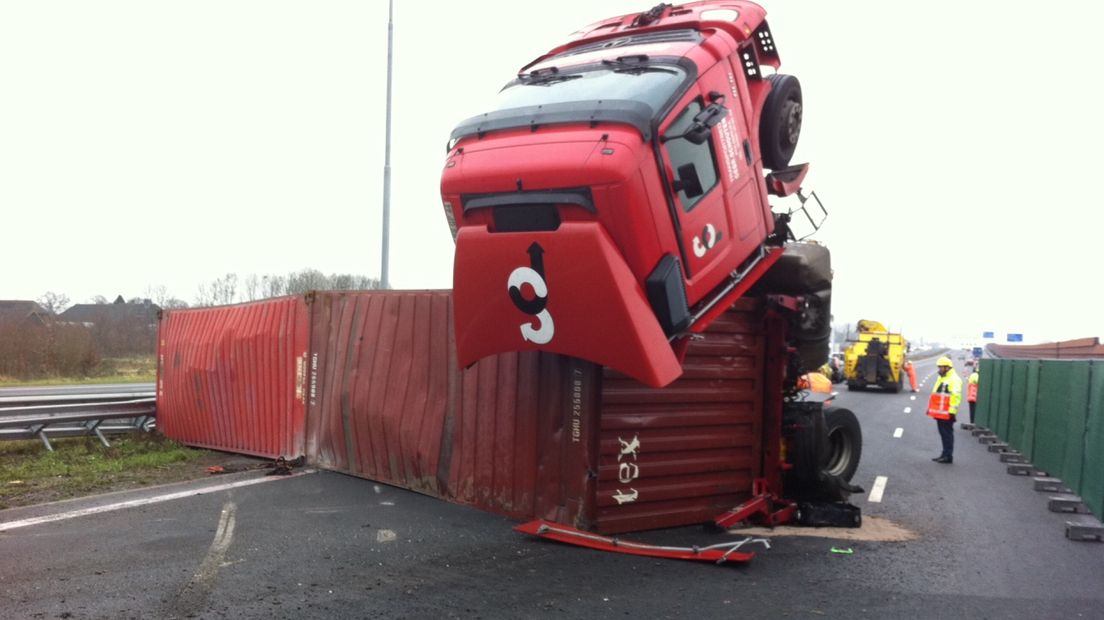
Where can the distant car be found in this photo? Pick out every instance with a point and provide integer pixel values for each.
(969, 362)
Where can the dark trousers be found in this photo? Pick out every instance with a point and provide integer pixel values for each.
(972, 407)
(946, 433)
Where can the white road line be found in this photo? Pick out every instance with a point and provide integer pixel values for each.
(908, 409)
(897, 433)
(61, 516)
(194, 593)
(912, 398)
(879, 488)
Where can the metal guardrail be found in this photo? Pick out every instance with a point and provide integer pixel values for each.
(46, 417)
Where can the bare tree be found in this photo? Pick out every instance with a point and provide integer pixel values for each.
(55, 303)
(273, 286)
(99, 299)
(252, 287)
(306, 280)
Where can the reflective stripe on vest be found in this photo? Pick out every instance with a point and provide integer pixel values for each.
(971, 392)
(939, 406)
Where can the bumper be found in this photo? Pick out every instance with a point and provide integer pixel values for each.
(566, 291)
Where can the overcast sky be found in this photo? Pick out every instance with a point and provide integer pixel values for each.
(149, 143)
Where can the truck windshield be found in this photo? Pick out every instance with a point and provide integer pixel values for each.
(652, 85)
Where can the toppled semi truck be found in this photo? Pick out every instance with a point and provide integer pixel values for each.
(615, 202)
(876, 358)
(616, 198)
(630, 319)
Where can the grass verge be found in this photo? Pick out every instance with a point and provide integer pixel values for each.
(138, 369)
(30, 474)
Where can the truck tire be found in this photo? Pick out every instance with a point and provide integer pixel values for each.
(844, 442)
(780, 125)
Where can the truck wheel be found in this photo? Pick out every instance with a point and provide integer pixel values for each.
(780, 125)
(844, 442)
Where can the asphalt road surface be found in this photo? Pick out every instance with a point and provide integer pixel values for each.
(325, 545)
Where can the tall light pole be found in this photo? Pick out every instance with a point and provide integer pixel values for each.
(384, 283)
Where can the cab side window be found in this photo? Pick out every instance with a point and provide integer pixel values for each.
(682, 151)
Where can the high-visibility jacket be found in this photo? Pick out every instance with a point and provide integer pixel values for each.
(972, 387)
(946, 397)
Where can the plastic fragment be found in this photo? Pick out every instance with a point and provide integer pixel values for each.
(847, 551)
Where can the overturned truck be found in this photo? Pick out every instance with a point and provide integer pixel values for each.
(629, 318)
(615, 202)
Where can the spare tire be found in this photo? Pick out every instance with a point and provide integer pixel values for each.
(780, 123)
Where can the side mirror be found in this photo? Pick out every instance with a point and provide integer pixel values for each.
(688, 181)
(702, 125)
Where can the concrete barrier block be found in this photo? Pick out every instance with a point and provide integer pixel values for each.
(1021, 469)
(1066, 503)
(1086, 530)
(998, 446)
(1050, 485)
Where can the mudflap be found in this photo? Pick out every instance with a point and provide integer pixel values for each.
(828, 514)
(729, 551)
(565, 291)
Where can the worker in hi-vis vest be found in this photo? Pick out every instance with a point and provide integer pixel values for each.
(971, 392)
(943, 405)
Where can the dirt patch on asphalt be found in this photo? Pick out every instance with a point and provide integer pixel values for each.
(875, 529)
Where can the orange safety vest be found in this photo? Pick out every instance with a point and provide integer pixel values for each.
(939, 406)
(971, 392)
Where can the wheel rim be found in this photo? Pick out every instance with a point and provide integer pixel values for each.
(840, 451)
(791, 115)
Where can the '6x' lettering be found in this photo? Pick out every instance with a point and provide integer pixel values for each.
(541, 331)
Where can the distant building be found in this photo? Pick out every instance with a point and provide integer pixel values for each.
(20, 313)
(118, 313)
(118, 329)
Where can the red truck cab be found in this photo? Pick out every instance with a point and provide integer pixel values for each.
(615, 199)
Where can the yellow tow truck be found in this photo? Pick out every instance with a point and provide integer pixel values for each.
(875, 358)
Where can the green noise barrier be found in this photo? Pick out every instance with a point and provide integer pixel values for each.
(1052, 411)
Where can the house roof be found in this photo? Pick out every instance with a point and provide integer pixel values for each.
(18, 310)
(96, 313)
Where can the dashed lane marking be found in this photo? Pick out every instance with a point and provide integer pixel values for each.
(878, 490)
(908, 409)
(897, 433)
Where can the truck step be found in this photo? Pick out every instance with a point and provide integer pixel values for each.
(1050, 485)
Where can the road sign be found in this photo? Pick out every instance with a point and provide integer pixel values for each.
(987, 335)
(1015, 337)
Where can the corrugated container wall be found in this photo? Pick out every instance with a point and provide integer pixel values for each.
(524, 434)
(231, 378)
(388, 403)
(687, 452)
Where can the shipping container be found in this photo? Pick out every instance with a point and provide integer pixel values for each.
(231, 378)
(369, 385)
